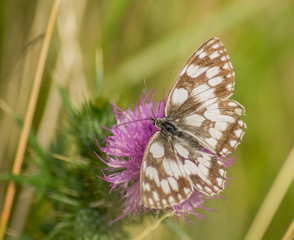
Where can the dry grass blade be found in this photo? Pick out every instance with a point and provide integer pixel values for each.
(28, 120)
(289, 235)
(273, 200)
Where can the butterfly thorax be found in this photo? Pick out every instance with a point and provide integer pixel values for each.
(170, 130)
(165, 126)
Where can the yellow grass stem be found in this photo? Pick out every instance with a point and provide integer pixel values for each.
(153, 227)
(28, 120)
(272, 200)
(289, 235)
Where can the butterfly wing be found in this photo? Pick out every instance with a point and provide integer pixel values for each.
(206, 170)
(218, 125)
(206, 77)
(163, 180)
(171, 169)
(198, 100)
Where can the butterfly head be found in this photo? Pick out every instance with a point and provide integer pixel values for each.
(155, 122)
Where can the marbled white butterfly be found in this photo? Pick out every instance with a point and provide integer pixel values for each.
(201, 125)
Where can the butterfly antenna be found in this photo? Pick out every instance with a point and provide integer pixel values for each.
(138, 120)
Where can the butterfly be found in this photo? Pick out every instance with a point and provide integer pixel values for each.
(201, 126)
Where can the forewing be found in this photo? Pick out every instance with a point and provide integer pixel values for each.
(163, 179)
(207, 77)
(217, 126)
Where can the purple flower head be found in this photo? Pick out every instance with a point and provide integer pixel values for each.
(125, 150)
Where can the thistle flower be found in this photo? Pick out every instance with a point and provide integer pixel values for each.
(125, 150)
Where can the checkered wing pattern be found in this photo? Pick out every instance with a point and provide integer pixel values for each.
(198, 100)
(198, 114)
(171, 171)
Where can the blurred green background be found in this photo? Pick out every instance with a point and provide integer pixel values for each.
(143, 45)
